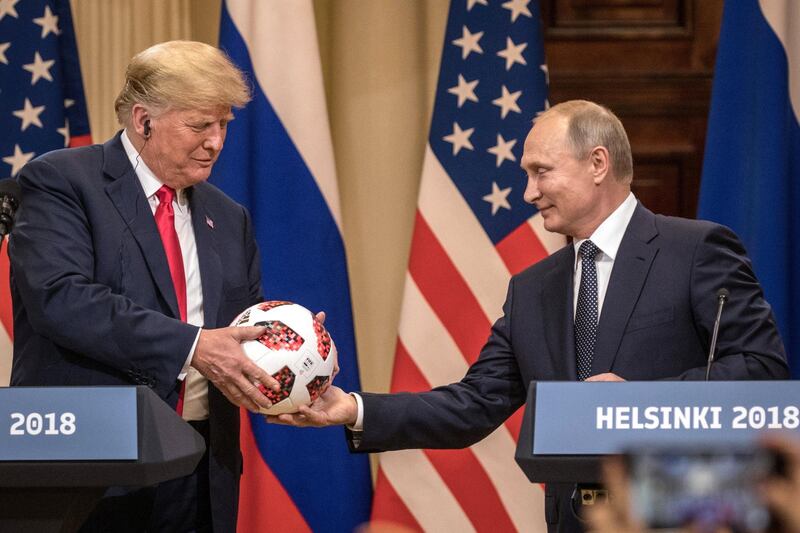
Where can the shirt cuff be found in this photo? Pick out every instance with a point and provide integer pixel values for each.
(359, 424)
(188, 363)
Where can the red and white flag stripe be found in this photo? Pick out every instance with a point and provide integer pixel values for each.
(447, 312)
(5, 319)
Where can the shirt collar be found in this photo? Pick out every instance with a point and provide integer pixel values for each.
(608, 235)
(150, 183)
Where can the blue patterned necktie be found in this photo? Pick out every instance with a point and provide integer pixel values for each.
(587, 310)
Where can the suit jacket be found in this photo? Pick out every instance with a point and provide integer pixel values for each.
(655, 323)
(93, 298)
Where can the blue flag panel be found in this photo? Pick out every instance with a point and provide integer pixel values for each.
(752, 159)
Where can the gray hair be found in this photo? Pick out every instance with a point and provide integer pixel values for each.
(592, 125)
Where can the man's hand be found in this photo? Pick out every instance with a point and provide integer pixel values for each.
(615, 515)
(781, 492)
(333, 407)
(220, 358)
(608, 376)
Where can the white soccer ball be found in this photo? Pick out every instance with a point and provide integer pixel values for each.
(296, 350)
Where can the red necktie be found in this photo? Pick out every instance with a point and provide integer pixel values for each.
(165, 220)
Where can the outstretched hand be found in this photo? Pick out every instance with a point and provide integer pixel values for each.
(220, 358)
(333, 407)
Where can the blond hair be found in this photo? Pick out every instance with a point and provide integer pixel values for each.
(181, 75)
(592, 125)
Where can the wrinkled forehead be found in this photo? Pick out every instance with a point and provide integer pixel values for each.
(549, 128)
(216, 112)
(547, 136)
(207, 114)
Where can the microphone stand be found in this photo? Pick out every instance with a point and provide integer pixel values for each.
(722, 296)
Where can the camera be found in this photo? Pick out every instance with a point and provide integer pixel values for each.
(671, 488)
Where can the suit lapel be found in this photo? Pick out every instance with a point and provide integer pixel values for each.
(557, 312)
(207, 253)
(631, 266)
(126, 193)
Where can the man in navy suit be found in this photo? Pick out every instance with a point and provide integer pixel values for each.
(127, 265)
(644, 311)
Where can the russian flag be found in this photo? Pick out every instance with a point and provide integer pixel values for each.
(751, 170)
(278, 162)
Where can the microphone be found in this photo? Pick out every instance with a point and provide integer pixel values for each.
(10, 194)
(722, 297)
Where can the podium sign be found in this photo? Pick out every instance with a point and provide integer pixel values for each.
(68, 424)
(62, 447)
(568, 426)
(599, 418)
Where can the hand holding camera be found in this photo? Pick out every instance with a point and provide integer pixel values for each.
(722, 490)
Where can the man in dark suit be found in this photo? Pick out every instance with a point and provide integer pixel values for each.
(631, 298)
(124, 260)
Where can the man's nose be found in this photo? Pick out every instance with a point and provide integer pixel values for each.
(215, 139)
(532, 191)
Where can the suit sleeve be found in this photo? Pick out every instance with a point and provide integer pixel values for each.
(455, 415)
(53, 259)
(749, 345)
(253, 261)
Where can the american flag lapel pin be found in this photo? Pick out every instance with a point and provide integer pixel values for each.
(209, 222)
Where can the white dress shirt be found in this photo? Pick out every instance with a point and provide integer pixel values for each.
(607, 237)
(195, 400)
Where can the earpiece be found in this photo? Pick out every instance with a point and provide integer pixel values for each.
(147, 129)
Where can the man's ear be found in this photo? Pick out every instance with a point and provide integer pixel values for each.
(599, 160)
(140, 120)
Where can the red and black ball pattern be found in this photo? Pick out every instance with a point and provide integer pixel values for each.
(323, 339)
(285, 378)
(266, 306)
(317, 386)
(279, 336)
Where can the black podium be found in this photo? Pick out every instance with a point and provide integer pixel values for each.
(551, 468)
(58, 495)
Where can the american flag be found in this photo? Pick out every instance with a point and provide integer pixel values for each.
(42, 106)
(472, 232)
